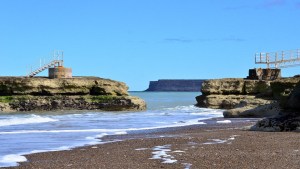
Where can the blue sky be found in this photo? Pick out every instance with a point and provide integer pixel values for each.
(136, 41)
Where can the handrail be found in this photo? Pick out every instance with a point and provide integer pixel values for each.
(279, 59)
(57, 60)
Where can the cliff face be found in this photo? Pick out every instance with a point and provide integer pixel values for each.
(246, 98)
(235, 86)
(228, 93)
(175, 85)
(71, 86)
(80, 93)
(289, 117)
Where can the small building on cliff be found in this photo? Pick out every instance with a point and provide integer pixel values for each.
(60, 72)
(55, 67)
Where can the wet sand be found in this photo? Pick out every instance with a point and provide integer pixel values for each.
(212, 145)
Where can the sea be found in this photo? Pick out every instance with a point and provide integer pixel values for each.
(33, 132)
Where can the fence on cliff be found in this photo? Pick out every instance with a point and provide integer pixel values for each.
(279, 59)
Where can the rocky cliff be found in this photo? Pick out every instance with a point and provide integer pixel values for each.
(79, 93)
(175, 85)
(246, 98)
(289, 117)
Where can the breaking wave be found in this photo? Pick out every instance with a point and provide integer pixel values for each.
(26, 120)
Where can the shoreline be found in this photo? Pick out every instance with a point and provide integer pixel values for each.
(197, 146)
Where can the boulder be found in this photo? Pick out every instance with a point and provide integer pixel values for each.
(282, 122)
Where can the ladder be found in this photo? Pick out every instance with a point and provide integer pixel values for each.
(44, 67)
(56, 61)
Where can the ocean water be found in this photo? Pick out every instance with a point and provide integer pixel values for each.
(26, 133)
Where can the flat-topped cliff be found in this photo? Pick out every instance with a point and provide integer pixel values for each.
(175, 85)
(246, 98)
(78, 93)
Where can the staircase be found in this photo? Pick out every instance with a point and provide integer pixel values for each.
(44, 67)
(57, 60)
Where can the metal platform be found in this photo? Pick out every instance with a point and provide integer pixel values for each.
(281, 59)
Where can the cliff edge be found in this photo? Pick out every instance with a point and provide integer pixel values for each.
(78, 93)
(246, 98)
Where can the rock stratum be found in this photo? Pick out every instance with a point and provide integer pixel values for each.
(184, 85)
(289, 117)
(78, 93)
(246, 98)
(278, 101)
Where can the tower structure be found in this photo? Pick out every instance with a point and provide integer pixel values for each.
(55, 67)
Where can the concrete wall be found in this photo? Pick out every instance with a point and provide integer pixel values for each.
(264, 74)
(60, 72)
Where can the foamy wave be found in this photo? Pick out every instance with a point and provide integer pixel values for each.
(11, 160)
(120, 133)
(193, 110)
(104, 131)
(26, 120)
(184, 108)
(63, 131)
(224, 122)
(212, 113)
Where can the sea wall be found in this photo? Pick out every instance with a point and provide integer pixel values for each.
(244, 97)
(175, 85)
(79, 93)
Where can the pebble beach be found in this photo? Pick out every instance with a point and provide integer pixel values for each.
(215, 145)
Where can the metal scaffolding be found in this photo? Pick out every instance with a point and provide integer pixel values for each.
(280, 59)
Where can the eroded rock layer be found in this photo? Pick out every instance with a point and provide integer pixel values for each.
(289, 117)
(79, 93)
(246, 98)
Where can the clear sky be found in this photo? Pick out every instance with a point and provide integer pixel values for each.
(136, 41)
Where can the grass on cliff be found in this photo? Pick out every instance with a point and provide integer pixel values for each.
(103, 98)
(6, 99)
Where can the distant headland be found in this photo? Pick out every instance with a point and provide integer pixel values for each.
(177, 85)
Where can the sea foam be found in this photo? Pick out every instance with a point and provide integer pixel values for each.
(160, 152)
(224, 122)
(26, 120)
(12, 160)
